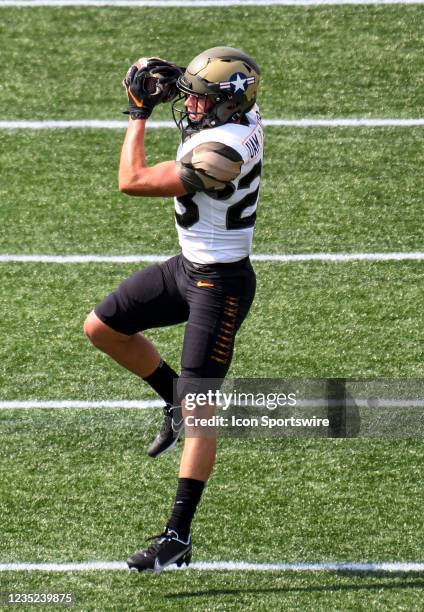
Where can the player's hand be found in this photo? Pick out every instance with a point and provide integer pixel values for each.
(141, 90)
(148, 82)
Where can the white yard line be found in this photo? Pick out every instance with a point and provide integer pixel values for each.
(340, 257)
(196, 3)
(105, 124)
(211, 566)
(77, 124)
(146, 404)
(372, 402)
(77, 259)
(86, 404)
(284, 258)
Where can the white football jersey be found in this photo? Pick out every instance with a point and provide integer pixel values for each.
(221, 170)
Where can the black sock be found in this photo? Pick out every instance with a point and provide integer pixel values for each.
(189, 492)
(162, 381)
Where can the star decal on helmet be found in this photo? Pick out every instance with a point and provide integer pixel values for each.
(238, 82)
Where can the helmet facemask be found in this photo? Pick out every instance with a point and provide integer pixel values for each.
(217, 110)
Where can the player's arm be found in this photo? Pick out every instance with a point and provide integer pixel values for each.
(148, 82)
(137, 179)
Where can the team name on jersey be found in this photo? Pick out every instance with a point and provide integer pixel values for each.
(253, 145)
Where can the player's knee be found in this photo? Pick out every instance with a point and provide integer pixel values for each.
(102, 336)
(93, 330)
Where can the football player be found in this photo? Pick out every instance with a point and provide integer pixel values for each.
(211, 284)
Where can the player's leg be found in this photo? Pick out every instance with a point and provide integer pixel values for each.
(214, 320)
(149, 298)
(216, 314)
(134, 352)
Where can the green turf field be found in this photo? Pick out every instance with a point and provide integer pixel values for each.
(326, 61)
(323, 190)
(76, 485)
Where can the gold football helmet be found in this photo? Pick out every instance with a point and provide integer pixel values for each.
(227, 79)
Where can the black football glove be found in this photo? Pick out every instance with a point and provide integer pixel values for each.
(149, 82)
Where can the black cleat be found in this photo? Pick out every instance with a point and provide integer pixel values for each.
(166, 549)
(172, 427)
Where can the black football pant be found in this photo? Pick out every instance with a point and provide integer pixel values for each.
(213, 300)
